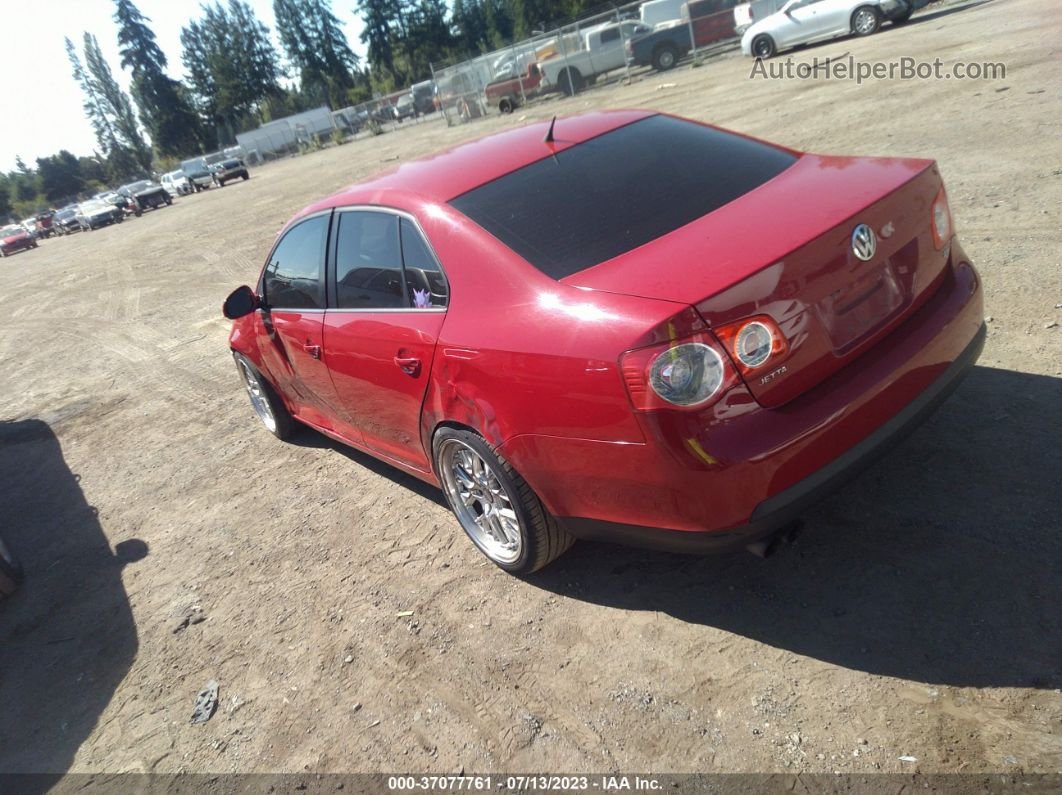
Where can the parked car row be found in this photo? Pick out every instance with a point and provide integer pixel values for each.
(112, 207)
(571, 61)
(196, 175)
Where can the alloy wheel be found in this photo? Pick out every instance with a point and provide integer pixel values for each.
(481, 502)
(865, 21)
(258, 397)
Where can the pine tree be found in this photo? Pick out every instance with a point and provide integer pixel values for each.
(117, 106)
(61, 176)
(232, 68)
(429, 37)
(318, 50)
(109, 112)
(164, 108)
(378, 18)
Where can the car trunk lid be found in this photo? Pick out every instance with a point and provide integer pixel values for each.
(785, 250)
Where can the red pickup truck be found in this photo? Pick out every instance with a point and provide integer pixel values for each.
(509, 93)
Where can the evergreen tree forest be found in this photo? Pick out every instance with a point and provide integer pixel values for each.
(234, 77)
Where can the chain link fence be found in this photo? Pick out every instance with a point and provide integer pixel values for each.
(597, 49)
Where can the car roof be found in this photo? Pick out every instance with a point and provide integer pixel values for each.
(445, 175)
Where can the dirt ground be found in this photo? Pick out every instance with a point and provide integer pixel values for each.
(169, 540)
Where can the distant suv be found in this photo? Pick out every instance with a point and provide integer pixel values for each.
(230, 169)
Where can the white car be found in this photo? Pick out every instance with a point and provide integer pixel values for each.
(176, 183)
(807, 21)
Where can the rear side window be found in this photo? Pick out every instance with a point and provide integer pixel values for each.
(618, 191)
(383, 262)
(425, 282)
(368, 262)
(293, 275)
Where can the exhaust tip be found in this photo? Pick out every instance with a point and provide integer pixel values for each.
(766, 547)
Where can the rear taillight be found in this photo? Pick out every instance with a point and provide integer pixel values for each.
(942, 226)
(687, 374)
(753, 343)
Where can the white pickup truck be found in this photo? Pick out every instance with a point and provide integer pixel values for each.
(595, 51)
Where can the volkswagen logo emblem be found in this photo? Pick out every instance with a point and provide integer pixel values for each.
(864, 244)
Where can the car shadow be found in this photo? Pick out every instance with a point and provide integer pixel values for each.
(67, 637)
(939, 564)
(308, 437)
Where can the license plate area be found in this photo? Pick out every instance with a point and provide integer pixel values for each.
(849, 314)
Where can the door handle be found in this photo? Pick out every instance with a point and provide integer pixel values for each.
(410, 365)
(313, 350)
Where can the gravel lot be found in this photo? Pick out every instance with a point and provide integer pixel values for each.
(169, 540)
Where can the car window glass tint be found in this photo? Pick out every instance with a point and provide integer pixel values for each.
(368, 262)
(611, 194)
(293, 276)
(424, 278)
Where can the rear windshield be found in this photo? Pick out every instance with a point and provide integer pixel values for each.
(618, 191)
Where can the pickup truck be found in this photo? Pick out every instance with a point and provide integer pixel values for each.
(198, 173)
(508, 93)
(596, 51)
(712, 21)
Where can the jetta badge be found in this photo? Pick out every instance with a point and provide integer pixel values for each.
(864, 244)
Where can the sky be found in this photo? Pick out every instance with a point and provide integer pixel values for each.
(42, 103)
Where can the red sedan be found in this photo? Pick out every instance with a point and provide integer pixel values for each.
(15, 238)
(626, 326)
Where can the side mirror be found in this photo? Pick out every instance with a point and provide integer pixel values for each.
(241, 301)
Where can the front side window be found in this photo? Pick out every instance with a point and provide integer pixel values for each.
(293, 275)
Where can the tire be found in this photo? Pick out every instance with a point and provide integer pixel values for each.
(264, 400)
(665, 57)
(763, 47)
(169, 202)
(571, 81)
(477, 482)
(505, 106)
(245, 177)
(11, 573)
(902, 18)
(866, 20)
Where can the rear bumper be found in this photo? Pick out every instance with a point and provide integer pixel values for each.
(709, 481)
(779, 510)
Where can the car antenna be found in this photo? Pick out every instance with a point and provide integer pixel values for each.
(549, 133)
